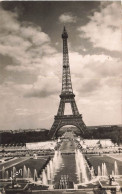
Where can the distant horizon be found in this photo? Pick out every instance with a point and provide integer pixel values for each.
(119, 125)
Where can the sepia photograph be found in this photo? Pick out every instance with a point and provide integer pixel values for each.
(60, 97)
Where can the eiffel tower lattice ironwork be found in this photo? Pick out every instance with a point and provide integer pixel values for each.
(67, 96)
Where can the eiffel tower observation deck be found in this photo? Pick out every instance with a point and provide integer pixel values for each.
(66, 96)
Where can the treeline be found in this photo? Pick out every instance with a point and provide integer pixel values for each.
(23, 137)
(113, 132)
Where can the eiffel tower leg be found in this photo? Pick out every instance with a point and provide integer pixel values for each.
(54, 128)
(74, 107)
(81, 125)
(61, 108)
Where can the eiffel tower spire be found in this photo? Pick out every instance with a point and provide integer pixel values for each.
(67, 96)
(66, 78)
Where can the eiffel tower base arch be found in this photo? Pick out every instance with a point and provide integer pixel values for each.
(60, 121)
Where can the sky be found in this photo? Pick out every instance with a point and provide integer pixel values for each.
(31, 61)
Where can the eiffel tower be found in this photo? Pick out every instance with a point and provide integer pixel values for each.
(66, 96)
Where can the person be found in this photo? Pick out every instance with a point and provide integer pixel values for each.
(110, 180)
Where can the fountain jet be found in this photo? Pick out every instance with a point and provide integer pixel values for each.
(25, 173)
(116, 172)
(81, 166)
(44, 177)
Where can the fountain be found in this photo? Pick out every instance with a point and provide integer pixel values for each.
(44, 177)
(14, 170)
(52, 168)
(35, 175)
(81, 166)
(57, 161)
(11, 173)
(99, 171)
(116, 172)
(25, 173)
(29, 175)
(55, 164)
(77, 167)
(54, 160)
(3, 172)
(112, 172)
(104, 170)
(48, 173)
(6, 175)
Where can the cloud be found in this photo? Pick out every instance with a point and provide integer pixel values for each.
(90, 86)
(90, 73)
(44, 87)
(24, 42)
(32, 55)
(8, 21)
(100, 65)
(104, 27)
(67, 18)
(34, 34)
